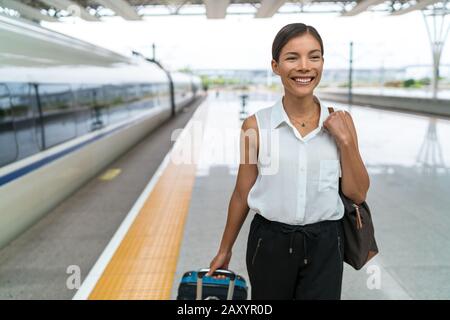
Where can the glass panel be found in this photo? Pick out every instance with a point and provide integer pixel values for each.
(26, 115)
(8, 143)
(90, 106)
(115, 99)
(58, 113)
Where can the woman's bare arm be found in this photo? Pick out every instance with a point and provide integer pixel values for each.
(238, 208)
(355, 179)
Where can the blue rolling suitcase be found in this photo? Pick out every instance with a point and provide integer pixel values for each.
(195, 285)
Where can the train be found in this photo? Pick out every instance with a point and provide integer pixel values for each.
(68, 108)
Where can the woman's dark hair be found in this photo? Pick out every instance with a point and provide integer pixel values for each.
(291, 31)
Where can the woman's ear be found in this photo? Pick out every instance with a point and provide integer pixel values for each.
(275, 67)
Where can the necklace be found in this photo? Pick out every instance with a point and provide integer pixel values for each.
(300, 123)
(303, 124)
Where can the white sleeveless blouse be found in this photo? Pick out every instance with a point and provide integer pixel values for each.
(298, 177)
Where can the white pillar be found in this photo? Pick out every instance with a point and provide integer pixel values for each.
(438, 29)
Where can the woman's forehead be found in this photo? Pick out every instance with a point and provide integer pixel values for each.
(305, 42)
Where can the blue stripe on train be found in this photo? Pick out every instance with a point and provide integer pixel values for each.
(36, 165)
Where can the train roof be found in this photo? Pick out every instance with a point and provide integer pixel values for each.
(31, 53)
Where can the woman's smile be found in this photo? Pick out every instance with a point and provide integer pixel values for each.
(303, 81)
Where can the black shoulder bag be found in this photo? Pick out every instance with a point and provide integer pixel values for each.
(359, 234)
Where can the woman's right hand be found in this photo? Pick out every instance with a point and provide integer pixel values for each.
(220, 261)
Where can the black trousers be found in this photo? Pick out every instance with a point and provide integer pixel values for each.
(287, 262)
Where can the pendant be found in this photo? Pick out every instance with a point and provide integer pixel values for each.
(303, 125)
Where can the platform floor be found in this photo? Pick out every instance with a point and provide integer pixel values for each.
(408, 159)
(75, 233)
(407, 156)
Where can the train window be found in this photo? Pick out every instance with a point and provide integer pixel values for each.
(27, 122)
(135, 101)
(115, 99)
(90, 106)
(114, 95)
(146, 91)
(8, 143)
(132, 93)
(58, 113)
(163, 93)
(84, 96)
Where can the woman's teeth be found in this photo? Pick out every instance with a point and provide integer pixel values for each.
(303, 80)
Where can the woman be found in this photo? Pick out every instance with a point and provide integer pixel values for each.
(295, 243)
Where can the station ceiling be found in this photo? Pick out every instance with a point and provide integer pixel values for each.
(95, 10)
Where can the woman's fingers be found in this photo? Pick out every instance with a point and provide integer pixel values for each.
(220, 261)
(212, 269)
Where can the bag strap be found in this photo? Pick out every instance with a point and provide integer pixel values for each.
(330, 111)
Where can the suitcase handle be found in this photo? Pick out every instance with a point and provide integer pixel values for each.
(219, 272)
(202, 272)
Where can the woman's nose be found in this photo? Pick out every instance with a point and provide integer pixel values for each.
(303, 64)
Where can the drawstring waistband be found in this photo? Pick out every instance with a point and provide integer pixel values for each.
(308, 231)
(306, 234)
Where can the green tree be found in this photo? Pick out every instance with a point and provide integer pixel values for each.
(409, 83)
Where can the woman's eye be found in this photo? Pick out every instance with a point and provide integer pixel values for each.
(316, 57)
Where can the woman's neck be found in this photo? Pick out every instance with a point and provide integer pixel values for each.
(299, 107)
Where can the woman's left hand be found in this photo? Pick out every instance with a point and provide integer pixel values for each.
(339, 124)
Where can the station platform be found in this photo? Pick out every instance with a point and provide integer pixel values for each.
(176, 223)
(408, 159)
(67, 241)
(406, 155)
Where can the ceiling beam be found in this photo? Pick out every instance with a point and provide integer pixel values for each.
(216, 9)
(26, 11)
(268, 8)
(418, 6)
(361, 7)
(69, 5)
(121, 8)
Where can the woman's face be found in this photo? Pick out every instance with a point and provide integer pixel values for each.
(300, 65)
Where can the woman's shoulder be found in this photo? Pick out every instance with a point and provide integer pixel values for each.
(265, 110)
(250, 123)
(253, 120)
(265, 114)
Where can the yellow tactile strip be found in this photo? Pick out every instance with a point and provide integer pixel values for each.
(110, 174)
(144, 265)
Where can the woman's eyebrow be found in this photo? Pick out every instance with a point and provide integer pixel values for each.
(296, 54)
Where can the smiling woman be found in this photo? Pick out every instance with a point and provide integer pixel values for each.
(297, 57)
(295, 244)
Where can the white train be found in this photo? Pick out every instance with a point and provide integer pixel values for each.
(67, 110)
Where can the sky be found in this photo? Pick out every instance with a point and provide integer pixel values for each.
(243, 42)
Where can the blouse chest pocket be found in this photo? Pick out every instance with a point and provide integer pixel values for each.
(329, 175)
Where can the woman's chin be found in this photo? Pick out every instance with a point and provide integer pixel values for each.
(301, 92)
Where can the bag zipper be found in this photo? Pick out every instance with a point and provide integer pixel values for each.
(256, 251)
(359, 224)
(339, 247)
